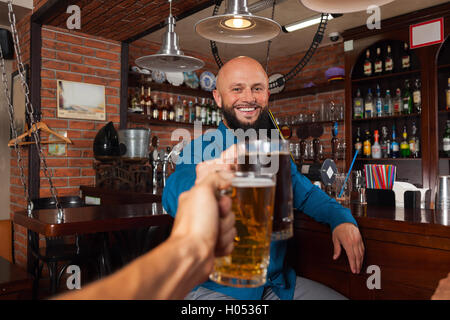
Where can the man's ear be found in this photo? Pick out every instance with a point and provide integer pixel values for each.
(217, 98)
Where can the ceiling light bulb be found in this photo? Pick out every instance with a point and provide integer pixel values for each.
(238, 23)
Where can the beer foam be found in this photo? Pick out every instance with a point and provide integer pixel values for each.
(241, 182)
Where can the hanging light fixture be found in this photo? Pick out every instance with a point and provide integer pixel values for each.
(342, 6)
(237, 25)
(170, 58)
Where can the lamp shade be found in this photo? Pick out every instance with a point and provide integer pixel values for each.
(237, 25)
(342, 6)
(170, 58)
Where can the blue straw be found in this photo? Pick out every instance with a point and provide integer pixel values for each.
(349, 170)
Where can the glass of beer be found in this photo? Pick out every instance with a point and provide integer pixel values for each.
(252, 193)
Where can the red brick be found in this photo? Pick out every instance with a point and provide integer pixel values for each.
(48, 54)
(48, 84)
(107, 55)
(96, 80)
(96, 44)
(57, 182)
(67, 172)
(68, 38)
(47, 74)
(69, 76)
(48, 34)
(82, 50)
(95, 62)
(56, 162)
(87, 172)
(48, 102)
(55, 45)
(80, 162)
(57, 65)
(107, 74)
(73, 153)
(82, 181)
(56, 123)
(82, 69)
(82, 143)
(64, 56)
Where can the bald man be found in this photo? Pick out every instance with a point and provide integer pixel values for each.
(242, 92)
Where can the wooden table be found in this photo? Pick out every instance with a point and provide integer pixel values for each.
(410, 246)
(14, 282)
(108, 196)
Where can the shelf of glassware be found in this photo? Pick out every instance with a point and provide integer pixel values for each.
(142, 118)
(393, 117)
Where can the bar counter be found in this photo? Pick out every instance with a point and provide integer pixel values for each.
(411, 247)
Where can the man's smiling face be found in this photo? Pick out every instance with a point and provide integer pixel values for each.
(242, 92)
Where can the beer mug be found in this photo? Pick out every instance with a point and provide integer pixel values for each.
(253, 193)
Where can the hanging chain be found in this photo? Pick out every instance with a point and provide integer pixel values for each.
(270, 41)
(29, 108)
(14, 131)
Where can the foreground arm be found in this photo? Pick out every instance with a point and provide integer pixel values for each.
(443, 290)
(203, 229)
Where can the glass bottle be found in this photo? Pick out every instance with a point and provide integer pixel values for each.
(407, 99)
(376, 148)
(185, 112)
(148, 103)
(213, 114)
(358, 106)
(378, 103)
(156, 107)
(191, 112)
(367, 145)
(406, 58)
(447, 93)
(378, 66)
(388, 107)
(368, 104)
(395, 147)
(414, 142)
(417, 96)
(198, 110)
(388, 61)
(446, 140)
(165, 111)
(368, 66)
(171, 109)
(142, 101)
(203, 111)
(334, 142)
(404, 145)
(358, 142)
(398, 102)
(178, 110)
(385, 143)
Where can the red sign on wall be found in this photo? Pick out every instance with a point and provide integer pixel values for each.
(426, 33)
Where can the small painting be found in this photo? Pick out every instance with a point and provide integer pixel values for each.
(78, 100)
(57, 149)
(18, 102)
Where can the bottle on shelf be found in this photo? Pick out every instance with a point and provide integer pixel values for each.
(171, 108)
(358, 142)
(191, 112)
(213, 114)
(406, 58)
(446, 140)
(368, 65)
(219, 115)
(358, 106)
(388, 106)
(164, 111)
(414, 142)
(395, 147)
(385, 143)
(208, 113)
(148, 103)
(156, 107)
(198, 110)
(367, 145)
(203, 111)
(135, 107)
(378, 65)
(417, 96)
(447, 93)
(378, 103)
(334, 142)
(404, 145)
(398, 102)
(368, 105)
(376, 148)
(185, 112)
(179, 110)
(142, 100)
(407, 99)
(388, 61)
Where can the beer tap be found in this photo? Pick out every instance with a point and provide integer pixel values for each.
(165, 161)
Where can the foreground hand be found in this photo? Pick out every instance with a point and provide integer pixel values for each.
(443, 290)
(224, 163)
(205, 218)
(347, 235)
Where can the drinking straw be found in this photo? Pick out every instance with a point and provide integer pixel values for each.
(274, 122)
(348, 173)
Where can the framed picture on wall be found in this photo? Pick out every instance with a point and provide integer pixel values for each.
(76, 100)
(18, 102)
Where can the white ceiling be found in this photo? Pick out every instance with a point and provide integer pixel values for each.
(286, 43)
(20, 7)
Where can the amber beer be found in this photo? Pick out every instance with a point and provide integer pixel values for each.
(252, 203)
(283, 211)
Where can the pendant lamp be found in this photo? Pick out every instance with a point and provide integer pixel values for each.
(342, 6)
(237, 25)
(170, 58)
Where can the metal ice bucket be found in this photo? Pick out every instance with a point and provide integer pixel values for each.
(443, 193)
(136, 142)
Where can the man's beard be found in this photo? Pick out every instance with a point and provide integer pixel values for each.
(262, 122)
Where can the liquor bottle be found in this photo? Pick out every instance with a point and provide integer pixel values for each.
(191, 112)
(171, 110)
(358, 106)
(447, 93)
(414, 142)
(368, 104)
(219, 115)
(406, 58)
(203, 111)
(388, 61)
(378, 103)
(208, 113)
(367, 145)
(156, 107)
(148, 103)
(388, 107)
(368, 66)
(395, 147)
(334, 142)
(135, 104)
(417, 96)
(376, 148)
(407, 99)
(165, 111)
(385, 143)
(142, 104)
(213, 114)
(378, 66)
(398, 102)
(178, 110)
(185, 112)
(358, 142)
(404, 145)
(198, 110)
(446, 140)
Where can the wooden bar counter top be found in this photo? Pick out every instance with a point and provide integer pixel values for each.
(410, 248)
